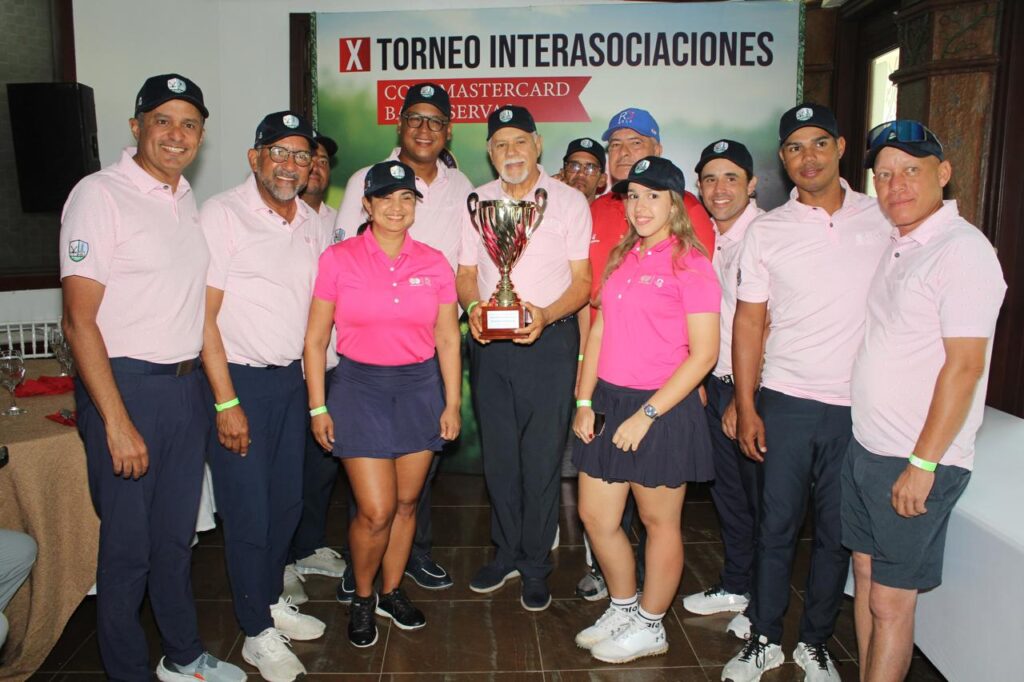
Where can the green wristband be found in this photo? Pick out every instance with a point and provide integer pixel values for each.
(922, 463)
(579, 358)
(318, 410)
(472, 305)
(584, 403)
(220, 407)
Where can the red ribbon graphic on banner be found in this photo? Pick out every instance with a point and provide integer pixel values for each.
(551, 99)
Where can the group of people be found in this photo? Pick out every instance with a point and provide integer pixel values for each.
(270, 338)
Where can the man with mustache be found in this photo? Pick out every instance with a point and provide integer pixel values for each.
(264, 246)
(810, 261)
(523, 389)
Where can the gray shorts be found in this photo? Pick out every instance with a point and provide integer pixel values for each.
(905, 553)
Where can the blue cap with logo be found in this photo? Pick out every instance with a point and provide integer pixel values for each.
(654, 172)
(732, 150)
(907, 135)
(807, 115)
(329, 145)
(586, 145)
(282, 124)
(389, 176)
(510, 116)
(159, 89)
(428, 93)
(639, 120)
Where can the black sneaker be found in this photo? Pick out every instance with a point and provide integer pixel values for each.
(362, 626)
(536, 595)
(491, 577)
(396, 606)
(426, 573)
(347, 586)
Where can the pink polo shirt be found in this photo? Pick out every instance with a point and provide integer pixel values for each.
(644, 304)
(813, 269)
(726, 260)
(940, 281)
(126, 230)
(266, 267)
(385, 309)
(438, 214)
(542, 274)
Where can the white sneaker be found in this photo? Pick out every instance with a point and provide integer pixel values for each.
(633, 641)
(610, 622)
(293, 624)
(293, 589)
(324, 561)
(714, 600)
(739, 626)
(271, 654)
(816, 661)
(756, 657)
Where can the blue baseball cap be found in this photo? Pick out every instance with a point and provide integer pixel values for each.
(639, 120)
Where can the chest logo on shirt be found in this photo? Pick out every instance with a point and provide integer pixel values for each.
(650, 279)
(419, 281)
(78, 250)
(339, 235)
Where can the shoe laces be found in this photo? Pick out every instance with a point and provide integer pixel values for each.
(274, 642)
(327, 553)
(361, 613)
(399, 602)
(755, 650)
(819, 654)
(286, 605)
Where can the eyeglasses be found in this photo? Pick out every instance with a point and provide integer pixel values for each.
(281, 155)
(574, 167)
(416, 121)
(901, 130)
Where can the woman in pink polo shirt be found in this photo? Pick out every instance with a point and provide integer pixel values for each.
(396, 393)
(639, 418)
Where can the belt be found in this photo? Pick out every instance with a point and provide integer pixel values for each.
(133, 366)
(567, 318)
(727, 379)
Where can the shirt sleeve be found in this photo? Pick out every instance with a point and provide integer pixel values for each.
(88, 232)
(701, 291)
(216, 224)
(969, 289)
(351, 214)
(701, 222)
(578, 229)
(752, 279)
(326, 286)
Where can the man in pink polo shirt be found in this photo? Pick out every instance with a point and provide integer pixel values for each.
(264, 245)
(523, 389)
(725, 176)
(919, 385)
(133, 266)
(424, 130)
(809, 260)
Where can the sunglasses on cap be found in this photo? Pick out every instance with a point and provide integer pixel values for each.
(901, 130)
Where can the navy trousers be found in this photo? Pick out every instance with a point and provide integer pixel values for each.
(147, 525)
(807, 442)
(736, 493)
(259, 496)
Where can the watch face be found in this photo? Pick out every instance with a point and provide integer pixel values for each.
(650, 411)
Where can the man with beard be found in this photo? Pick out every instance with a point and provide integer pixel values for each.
(264, 246)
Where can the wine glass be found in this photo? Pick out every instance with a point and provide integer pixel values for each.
(61, 350)
(12, 372)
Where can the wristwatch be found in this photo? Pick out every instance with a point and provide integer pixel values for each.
(651, 411)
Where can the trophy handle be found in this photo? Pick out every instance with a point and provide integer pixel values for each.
(541, 199)
(472, 202)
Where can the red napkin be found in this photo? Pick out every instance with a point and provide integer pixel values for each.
(44, 386)
(61, 419)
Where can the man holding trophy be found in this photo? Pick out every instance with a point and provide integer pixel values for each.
(525, 245)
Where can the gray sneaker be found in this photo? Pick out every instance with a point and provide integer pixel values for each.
(293, 586)
(324, 561)
(206, 667)
(592, 586)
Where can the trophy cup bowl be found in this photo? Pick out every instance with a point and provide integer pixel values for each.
(506, 227)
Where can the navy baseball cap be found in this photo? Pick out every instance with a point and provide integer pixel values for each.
(732, 150)
(428, 93)
(908, 135)
(589, 146)
(384, 178)
(654, 172)
(159, 89)
(807, 115)
(639, 120)
(510, 116)
(329, 145)
(283, 124)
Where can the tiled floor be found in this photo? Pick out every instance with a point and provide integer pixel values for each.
(480, 637)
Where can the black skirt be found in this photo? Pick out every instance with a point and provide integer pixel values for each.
(676, 449)
(386, 411)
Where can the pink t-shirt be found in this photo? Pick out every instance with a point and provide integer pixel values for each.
(438, 214)
(726, 259)
(813, 269)
(940, 281)
(542, 274)
(385, 309)
(126, 230)
(644, 304)
(266, 267)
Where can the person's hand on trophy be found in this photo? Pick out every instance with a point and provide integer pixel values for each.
(531, 332)
(476, 325)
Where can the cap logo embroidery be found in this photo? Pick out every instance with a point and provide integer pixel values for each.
(892, 135)
(586, 144)
(176, 85)
(427, 91)
(641, 166)
(626, 116)
(78, 250)
(290, 121)
(139, 103)
(720, 147)
(397, 172)
(505, 116)
(804, 113)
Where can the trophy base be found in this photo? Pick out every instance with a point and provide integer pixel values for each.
(501, 322)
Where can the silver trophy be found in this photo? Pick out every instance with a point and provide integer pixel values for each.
(506, 227)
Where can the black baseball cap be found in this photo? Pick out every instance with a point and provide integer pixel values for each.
(284, 124)
(654, 172)
(510, 116)
(908, 135)
(732, 150)
(159, 89)
(384, 178)
(329, 145)
(806, 115)
(428, 93)
(587, 145)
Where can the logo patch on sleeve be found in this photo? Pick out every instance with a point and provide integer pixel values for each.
(78, 250)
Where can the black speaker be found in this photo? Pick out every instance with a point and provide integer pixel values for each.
(55, 146)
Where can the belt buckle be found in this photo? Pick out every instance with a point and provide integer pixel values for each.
(185, 367)
(727, 379)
